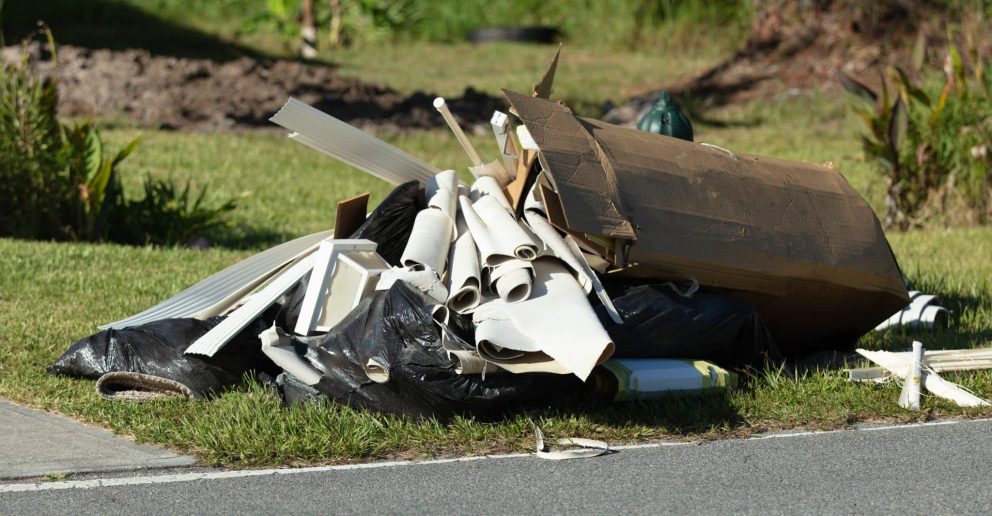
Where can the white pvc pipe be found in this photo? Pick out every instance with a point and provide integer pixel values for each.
(442, 107)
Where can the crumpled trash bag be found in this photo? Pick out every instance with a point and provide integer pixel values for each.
(156, 349)
(661, 323)
(391, 222)
(395, 329)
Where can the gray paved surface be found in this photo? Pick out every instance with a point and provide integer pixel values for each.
(941, 469)
(34, 443)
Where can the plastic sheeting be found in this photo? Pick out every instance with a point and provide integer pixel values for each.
(659, 323)
(156, 349)
(395, 330)
(390, 223)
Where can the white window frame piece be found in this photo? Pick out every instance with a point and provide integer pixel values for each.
(324, 262)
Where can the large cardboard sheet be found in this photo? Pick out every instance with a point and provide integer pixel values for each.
(794, 239)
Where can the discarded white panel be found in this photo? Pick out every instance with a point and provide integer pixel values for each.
(504, 140)
(327, 134)
(526, 140)
(900, 366)
(212, 295)
(344, 271)
(213, 340)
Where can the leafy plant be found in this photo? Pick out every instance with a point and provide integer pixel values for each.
(933, 148)
(169, 214)
(280, 16)
(61, 182)
(100, 199)
(30, 153)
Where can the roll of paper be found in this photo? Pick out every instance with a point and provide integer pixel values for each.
(510, 237)
(429, 241)
(512, 280)
(557, 320)
(464, 275)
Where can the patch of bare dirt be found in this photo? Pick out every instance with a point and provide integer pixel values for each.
(201, 94)
(797, 46)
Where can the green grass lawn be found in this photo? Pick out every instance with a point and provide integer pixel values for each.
(52, 294)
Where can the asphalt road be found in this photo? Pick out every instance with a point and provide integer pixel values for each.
(943, 468)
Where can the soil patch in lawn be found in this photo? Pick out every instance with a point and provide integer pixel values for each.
(795, 47)
(202, 94)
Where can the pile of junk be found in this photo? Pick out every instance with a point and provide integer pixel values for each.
(586, 256)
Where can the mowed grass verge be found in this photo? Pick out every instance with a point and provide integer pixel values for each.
(52, 294)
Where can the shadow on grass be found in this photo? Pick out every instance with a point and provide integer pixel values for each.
(961, 333)
(114, 25)
(246, 237)
(680, 414)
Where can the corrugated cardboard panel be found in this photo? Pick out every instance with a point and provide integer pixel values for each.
(794, 239)
(589, 189)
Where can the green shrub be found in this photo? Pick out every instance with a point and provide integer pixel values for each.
(932, 145)
(33, 186)
(60, 182)
(170, 214)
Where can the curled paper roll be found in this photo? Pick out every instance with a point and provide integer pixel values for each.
(429, 241)
(376, 371)
(486, 185)
(426, 281)
(469, 362)
(489, 248)
(497, 234)
(512, 280)
(557, 321)
(464, 274)
(493, 170)
(507, 230)
(442, 194)
(278, 346)
(567, 251)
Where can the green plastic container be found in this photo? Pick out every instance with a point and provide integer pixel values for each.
(666, 118)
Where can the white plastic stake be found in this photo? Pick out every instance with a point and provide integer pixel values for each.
(442, 107)
(910, 396)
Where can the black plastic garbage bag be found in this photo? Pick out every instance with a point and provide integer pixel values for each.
(156, 349)
(395, 330)
(390, 224)
(661, 323)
